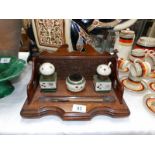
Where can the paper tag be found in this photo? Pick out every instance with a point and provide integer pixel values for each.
(48, 85)
(5, 60)
(101, 86)
(79, 108)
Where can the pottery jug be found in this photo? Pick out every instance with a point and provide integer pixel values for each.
(123, 43)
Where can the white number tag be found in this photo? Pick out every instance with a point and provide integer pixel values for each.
(5, 60)
(79, 108)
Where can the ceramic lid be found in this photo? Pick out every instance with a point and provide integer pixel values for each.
(127, 34)
(104, 70)
(47, 69)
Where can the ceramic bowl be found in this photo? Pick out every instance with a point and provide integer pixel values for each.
(75, 82)
(10, 68)
(146, 41)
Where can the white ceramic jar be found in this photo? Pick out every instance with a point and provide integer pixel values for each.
(75, 82)
(124, 42)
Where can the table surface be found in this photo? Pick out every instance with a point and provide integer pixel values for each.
(140, 121)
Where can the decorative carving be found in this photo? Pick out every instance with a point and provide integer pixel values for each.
(50, 32)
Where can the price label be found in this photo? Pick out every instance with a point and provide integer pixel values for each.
(103, 86)
(79, 108)
(48, 85)
(5, 60)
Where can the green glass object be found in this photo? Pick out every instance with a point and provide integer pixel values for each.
(5, 88)
(10, 68)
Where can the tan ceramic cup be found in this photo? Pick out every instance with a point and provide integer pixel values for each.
(136, 70)
(145, 68)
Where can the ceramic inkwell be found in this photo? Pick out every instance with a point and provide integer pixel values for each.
(102, 81)
(75, 82)
(48, 77)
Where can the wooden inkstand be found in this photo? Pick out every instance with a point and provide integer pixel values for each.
(40, 103)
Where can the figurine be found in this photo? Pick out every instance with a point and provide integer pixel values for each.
(48, 78)
(102, 81)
